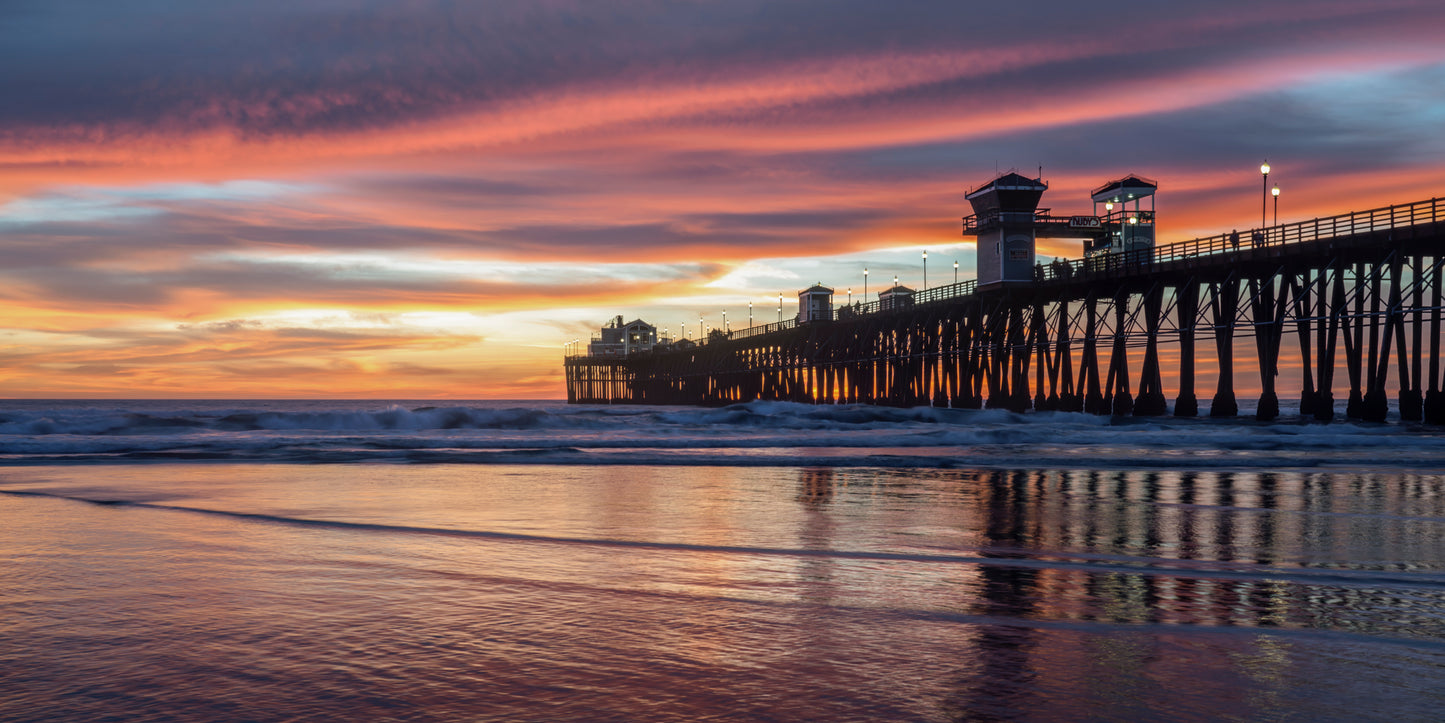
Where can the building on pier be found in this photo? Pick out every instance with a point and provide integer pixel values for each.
(1008, 223)
(619, 339)
(1004, 210)
(815, 303)
(894, 298)
(1126, 226)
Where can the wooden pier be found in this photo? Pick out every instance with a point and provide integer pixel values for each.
(1359, 292)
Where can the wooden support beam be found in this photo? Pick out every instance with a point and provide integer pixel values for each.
(1069, 399)
(1151, 384)
(1412, 398)
(1434, 412)
(1039, 329)
(1089, 365)
(1224, 300)
(1186, 310)
(1123, 398)
(1300, 290)
(1376, 403)
(1268, 330)
(1354, 343)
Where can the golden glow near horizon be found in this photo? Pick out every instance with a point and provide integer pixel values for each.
(439, 217)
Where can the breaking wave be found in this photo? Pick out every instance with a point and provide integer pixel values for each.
(751, 434)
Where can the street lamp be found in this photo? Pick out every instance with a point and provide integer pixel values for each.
(925, 269)
(955, 271)
(1264, 199)
(725, 321)
(850, 296)
(750, 314)
(699, 326)
(865, 283)
(1275, 192)
(780, 307)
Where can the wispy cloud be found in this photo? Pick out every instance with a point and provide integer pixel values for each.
(205, 196)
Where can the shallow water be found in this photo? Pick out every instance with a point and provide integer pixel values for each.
(229, 591)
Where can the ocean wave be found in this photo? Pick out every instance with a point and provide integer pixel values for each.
(112, 422)
(755, 433)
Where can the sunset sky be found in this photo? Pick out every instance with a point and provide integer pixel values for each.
(426, 199)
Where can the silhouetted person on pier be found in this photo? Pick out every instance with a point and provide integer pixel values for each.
(1256, 239)
(1234, 239)
(1039, 271)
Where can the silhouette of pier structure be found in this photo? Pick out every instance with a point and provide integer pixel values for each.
(1358, 293)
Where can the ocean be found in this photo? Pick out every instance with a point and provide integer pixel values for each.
(502, 561)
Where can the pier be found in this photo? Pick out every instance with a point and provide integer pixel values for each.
(1352, 302)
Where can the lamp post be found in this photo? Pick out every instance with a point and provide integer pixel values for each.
(955, 271)
(850, 296)
(865, 284)
(699, 327)
(780, 307)
(750, 314)
(1264, 199)
(1275, 192)
(925, 269)
(725, 321)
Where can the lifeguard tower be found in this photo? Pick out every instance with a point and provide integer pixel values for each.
(1003, 218)
(1127, 225)
(815, 303)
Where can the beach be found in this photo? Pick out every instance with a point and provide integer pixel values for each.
(473, 563)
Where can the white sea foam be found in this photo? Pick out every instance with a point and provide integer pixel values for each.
(772, 433)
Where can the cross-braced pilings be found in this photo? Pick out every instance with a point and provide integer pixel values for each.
(1360, 291)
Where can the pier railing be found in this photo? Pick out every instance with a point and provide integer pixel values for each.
(1318, 229)
(1141, 260)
